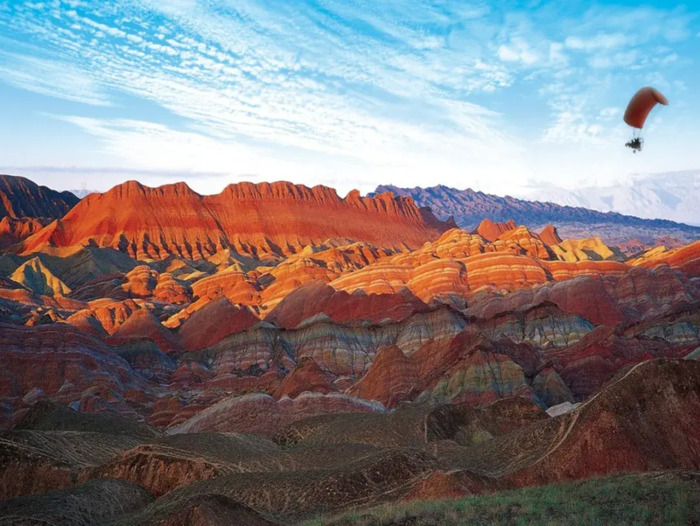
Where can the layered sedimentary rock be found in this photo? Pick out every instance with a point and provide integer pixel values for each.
(543, 326)
(643, 419)
(259, 220)
(294, 495)
(170, 462)
(213, 322)
(307, 376)
(60, 362)
(20, 197)
(586, 296)
(36, 277)
(342, 350)
(237, 286)
(353, 344)
(583, 249)
(491, 231)
(686, 258)
(258, 413)
(650, 410)
(392, 378)
(459, 264)
(52, 444)
(317, 298)
(85, 270)
(588, 364)
(468, 368)
(550, 235)
(143, 324)
(26, 207)
(14, 230)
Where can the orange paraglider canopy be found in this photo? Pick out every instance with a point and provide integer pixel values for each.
(641, 104)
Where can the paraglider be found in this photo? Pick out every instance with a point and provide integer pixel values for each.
(637, 111)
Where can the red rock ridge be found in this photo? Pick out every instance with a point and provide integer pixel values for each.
(20, 197)
(490, 230)
(254, 219)
(550, 235)
(26, 207)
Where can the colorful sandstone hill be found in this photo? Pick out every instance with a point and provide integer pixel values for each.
(231, 357)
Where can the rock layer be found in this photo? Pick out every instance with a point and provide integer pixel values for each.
(258, 220)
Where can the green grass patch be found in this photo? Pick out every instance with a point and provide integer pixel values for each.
(668, 498)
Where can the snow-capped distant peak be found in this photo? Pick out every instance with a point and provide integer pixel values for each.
(673, 196)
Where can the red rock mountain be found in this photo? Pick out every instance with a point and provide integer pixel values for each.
(491, 231)
(20, 197)
(258, 220)
(550, 235)
(25, 207)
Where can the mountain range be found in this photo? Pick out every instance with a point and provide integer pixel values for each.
(668, 195)
(276, 353)
(468, 207)
(26, 207)
(255, 220)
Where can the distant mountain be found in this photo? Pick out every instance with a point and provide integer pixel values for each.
(82, 192)
(25, 207)
(469, 208)
(672, 196)
(20, 197)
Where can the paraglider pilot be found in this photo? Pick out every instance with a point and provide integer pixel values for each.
(635, 144)
(637, 111)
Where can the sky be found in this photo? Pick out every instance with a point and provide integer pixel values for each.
(503, 97)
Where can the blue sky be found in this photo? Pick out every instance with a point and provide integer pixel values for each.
(349, 94)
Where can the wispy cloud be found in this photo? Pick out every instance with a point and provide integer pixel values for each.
(229, 75)
(330, 86)
(50, 77)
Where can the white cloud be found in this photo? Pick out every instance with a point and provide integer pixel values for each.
(608, 113)
(146, 148)
(51, 77)
(519, 51)
(254, 94)
(600, 41)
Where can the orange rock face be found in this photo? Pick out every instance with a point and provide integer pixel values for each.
(306, 376)
(213, 322)
(550, 236)
(258, 220)
(316, 298)
(13, 230)
(142, 324)
(392, 378)
(491, 231)
(686, 259)
(25, 208)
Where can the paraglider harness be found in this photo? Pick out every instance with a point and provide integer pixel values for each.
(636, 144)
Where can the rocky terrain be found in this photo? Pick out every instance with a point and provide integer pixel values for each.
(469, 208)
(26, 207)
(276, 353)
(254, 220)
